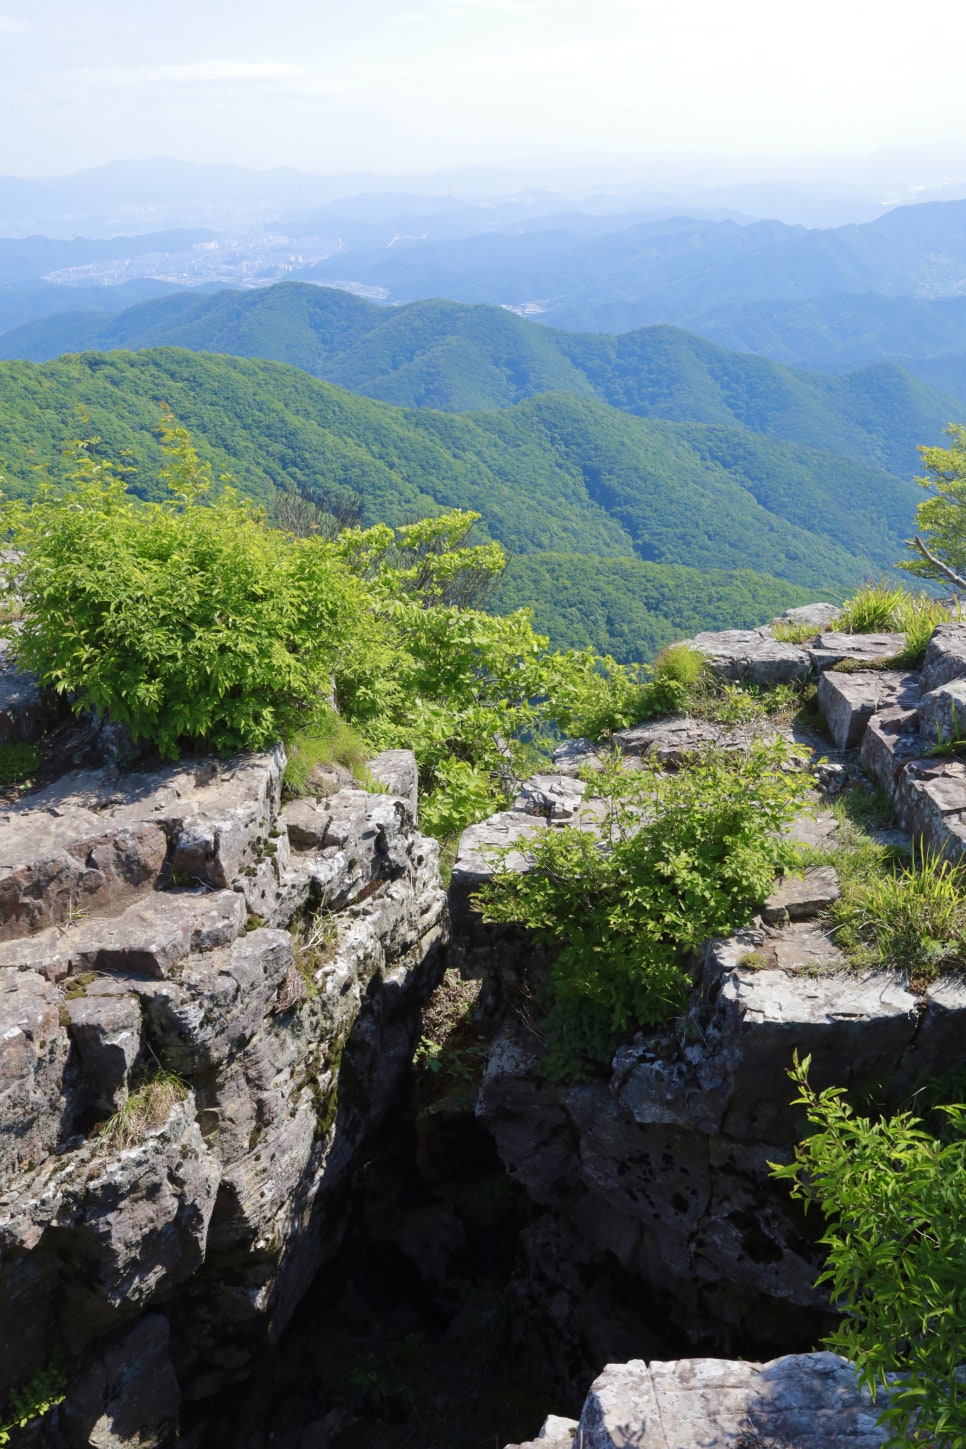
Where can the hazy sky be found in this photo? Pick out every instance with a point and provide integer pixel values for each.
(341, 85)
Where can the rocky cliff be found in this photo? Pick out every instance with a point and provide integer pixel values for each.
(207, 1006)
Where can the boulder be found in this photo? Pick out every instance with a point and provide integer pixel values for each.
(751, 656)
(799, 898)
(942, 713)
(848, 701)
(33, 1056)
(821, 615)
(945, 656)
(398, 772)
(891, 740)
(127, 1396)
(809, 1400)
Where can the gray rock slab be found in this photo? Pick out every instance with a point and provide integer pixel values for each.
(397, 770)
(890, 741)
(148, 938)
(572, 756)
(814, 827)
(751, 656)
(945, 656)
(128, 1396)
(106, 1033)
(551, 797)
(481, 845)
(930, 801)
(799, 898)
(833, 647)
(672, 742)
(942, 713)
(821, 615)
(811, 1401)
(848, 701)
(33, 1055)
(219, 1000)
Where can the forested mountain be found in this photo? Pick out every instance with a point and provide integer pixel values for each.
(459, 358)
(559, 473)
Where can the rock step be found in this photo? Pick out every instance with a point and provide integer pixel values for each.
(848, 701)
(809, 1400)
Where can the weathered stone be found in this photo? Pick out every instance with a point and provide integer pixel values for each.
(106, 1031)
(128, 1397)
(806, 1400)
(942, 713)
(798, 898)
(821, 615)
(890, 741)
(572, 756)
(218, 1001)
(751, 656)
(23, 712)
(833, 648)
(672, 742)
(930, 801)
(848, 701)
(149, 938)
(33, 1055)
(397, 770)
(53, 867)
(551, 797)
(945, 656)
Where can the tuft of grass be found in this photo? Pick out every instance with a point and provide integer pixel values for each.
(18, 761)
(909, 918)
(329, 740)
(790, 633)
(148, 1107)
(886, 609)
(451, 1052)
(868, 809)
(314, 940)
(680, 663)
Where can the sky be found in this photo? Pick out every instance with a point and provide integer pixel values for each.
(337, 86)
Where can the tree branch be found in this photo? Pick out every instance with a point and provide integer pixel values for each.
(931, 558)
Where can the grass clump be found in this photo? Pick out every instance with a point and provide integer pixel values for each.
(148, 1107)
(18, 761)
(883, 608)
(328, 740)
(910, 918)
(451, 1052)
(787, 632)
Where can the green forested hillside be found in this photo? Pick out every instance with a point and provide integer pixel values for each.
(460, 358)
(558, 474)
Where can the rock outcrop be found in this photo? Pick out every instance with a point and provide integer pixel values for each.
(662, 1164)
(208, 1004)
(809, 1401)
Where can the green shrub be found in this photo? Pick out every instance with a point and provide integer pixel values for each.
(34, 1399)
(682, 857)
(188, 621)
(892, 1195)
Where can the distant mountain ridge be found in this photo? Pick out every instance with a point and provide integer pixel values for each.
(459, 358)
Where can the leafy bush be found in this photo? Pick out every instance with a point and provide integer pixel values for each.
(34, 1399)
(189, 620)
(682, 857)
(197, 624)
(892, 1195)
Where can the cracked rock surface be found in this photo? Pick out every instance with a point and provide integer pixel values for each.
(144, 941)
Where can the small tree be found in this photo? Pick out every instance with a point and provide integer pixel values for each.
(943, 515)
(894, 1197)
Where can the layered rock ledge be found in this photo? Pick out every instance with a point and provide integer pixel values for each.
(175, 937)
